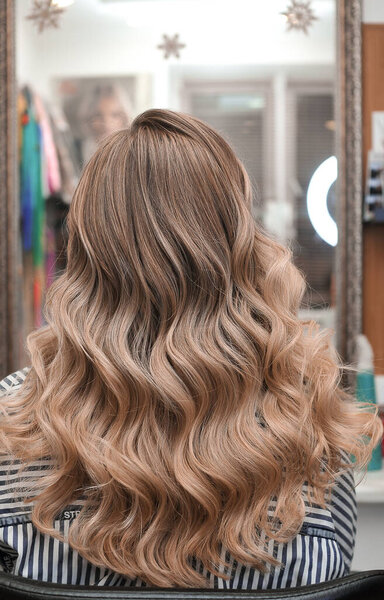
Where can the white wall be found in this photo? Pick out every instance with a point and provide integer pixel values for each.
(95, 40)
(373, 11)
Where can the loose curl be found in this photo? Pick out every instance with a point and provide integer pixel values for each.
(174, 386)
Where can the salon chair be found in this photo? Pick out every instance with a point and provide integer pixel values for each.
(367, 585)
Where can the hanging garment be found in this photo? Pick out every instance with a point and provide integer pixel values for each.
(32, 201)
(30, 173)
(51, 180)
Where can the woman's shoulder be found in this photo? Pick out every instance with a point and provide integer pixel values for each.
(13, 380)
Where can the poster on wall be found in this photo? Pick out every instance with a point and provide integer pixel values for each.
(95, 107)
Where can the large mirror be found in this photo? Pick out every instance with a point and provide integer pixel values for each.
(271, 77)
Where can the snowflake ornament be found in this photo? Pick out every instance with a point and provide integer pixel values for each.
(45, 14)
(171, 45)
(299, 15)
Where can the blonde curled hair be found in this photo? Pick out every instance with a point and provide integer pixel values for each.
(174, 385)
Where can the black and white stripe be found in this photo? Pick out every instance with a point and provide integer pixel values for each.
(322, 550)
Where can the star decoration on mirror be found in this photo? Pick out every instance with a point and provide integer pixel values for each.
(299, 15)
(45, 14)
(171, 45)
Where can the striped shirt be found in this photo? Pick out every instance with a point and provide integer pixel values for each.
(321, 551)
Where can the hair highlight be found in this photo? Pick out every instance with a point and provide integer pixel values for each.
(174, 386)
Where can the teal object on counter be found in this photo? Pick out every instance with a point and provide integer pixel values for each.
(365, 392)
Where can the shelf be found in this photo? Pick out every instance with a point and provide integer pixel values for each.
(371, 488)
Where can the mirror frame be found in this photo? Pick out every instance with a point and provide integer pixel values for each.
(349, 151)
(348, 255)
(10, 241)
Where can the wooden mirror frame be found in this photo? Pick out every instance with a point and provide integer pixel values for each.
(348, 267)
(10, 239)
(349, 251)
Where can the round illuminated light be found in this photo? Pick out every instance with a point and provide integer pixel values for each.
(317, 194)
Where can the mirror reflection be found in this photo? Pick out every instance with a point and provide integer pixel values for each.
(262, 75)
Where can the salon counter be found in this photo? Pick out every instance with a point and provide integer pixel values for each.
(369, 550)
(371, 488)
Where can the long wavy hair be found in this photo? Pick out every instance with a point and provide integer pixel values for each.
(173, 385)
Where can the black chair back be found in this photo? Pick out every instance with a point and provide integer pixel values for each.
(367, 585)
